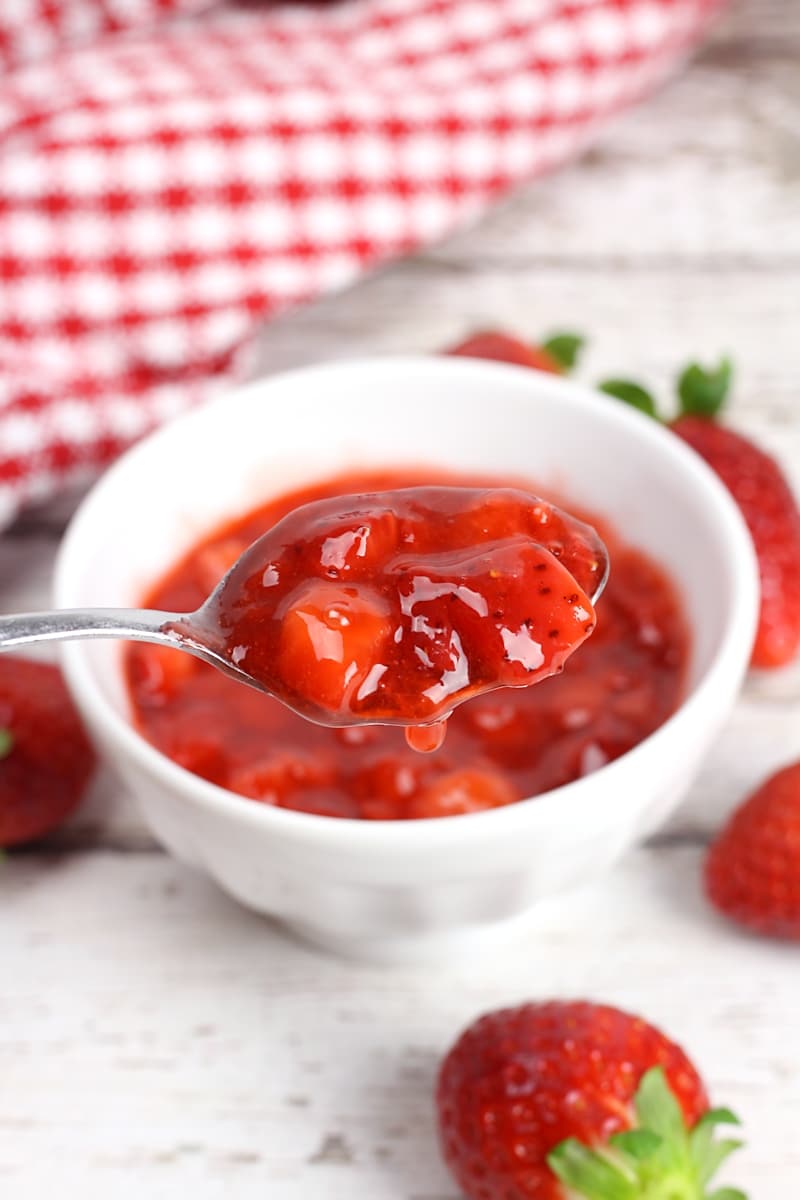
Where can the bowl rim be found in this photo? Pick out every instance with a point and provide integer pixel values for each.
(399, 835)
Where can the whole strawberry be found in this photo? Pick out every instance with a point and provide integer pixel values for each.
(768, 505)
(758, 486)
(562, 1099)
(46, 759)
(752, 872)
(555, 356)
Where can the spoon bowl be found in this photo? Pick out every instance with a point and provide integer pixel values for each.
(504, 546)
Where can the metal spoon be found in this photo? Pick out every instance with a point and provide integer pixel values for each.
(196, 633)
(181, 631)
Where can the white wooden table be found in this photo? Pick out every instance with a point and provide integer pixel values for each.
(157, 1041)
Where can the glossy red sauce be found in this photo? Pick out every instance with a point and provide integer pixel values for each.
(501, 746)
(395, 606)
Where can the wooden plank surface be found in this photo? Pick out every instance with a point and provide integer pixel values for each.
(156, 1040)
(161, 1042)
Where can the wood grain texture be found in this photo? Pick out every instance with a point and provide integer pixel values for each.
(161, 1042)
(156, 1040)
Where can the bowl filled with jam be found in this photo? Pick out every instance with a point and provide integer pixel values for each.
(495, 621)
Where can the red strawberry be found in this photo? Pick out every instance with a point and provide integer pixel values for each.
(556, 356)
(768, 506)
(45, 757)
(758, 486)
(753, 869)
(566, 1099)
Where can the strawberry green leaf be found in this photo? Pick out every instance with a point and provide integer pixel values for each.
(707, 1154)
(639, 1144)
(715, 1156)
(703, 392)
(630, 393)
(657, 1109)
(717, 1116)
(565, 348)
(660, 1159)
(6, 743)
(591, 1175)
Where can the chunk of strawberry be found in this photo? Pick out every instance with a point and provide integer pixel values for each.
(330, 644)
(276, 778)
(385, 787)
(359, 548)
(468, 790)
(160, 672)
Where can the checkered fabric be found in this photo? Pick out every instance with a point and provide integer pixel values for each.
(173, 172)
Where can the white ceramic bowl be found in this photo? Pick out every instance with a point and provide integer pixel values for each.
(417, 890)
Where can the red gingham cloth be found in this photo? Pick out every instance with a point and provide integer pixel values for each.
(174, 171)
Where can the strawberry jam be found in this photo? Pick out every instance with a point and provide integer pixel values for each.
(394, 610)
(394, 607)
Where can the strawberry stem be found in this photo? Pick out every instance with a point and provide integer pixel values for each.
(565, 348)
(703, 392)
(660, 1159)
(6, 743)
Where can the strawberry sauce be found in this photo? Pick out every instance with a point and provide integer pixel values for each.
(412, 589)
(395, 606)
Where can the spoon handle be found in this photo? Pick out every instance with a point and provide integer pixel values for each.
(138, 625)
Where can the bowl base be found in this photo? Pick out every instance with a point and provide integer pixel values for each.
(446, 948)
